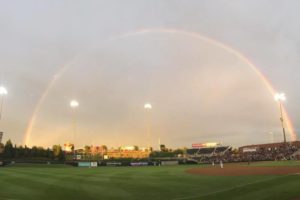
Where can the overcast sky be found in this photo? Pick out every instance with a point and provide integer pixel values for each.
(200, 92)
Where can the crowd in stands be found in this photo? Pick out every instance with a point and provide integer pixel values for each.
(226, 154)
(284, 152)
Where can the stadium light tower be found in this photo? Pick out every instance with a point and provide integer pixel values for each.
(74, 104)
(280, 97)
(272, 136)
(148, 108)
(3, 92)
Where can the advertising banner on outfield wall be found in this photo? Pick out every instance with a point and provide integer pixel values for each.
(94, 164)
(87, 164)
(84, 164)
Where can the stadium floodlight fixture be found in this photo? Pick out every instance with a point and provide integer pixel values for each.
(148, 106)
(3, 90)
(74, 104)
(280, 97)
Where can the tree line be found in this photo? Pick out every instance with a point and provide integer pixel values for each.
(10, 151)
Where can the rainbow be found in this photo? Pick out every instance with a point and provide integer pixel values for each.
(195, 35)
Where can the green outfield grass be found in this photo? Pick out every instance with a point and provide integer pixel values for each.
(44, 182)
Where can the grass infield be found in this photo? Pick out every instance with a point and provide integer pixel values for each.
(63, 182)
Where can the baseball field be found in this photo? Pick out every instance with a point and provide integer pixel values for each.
(265, 180)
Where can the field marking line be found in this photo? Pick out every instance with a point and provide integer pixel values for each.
(228, 189)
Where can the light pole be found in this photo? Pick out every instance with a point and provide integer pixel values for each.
(74, 104)
(3, 92)
(272, 136)
(148, 108)
(280, 97)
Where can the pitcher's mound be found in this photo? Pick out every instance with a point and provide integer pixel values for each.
(234, 170)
